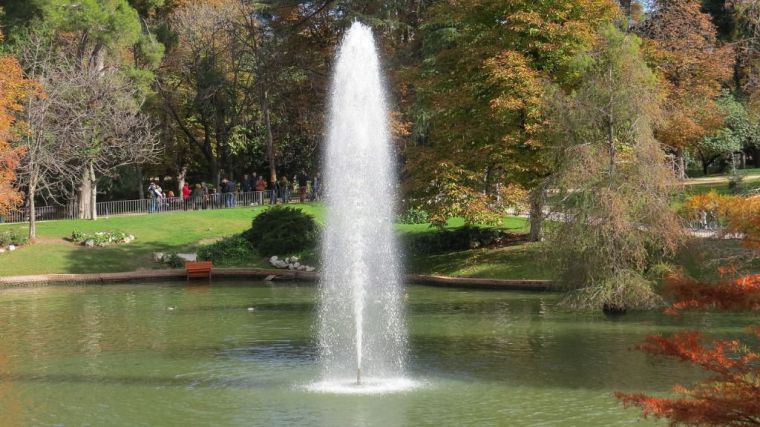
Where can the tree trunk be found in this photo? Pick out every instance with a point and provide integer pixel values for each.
(32, 211)
(84, 195)
(88, 194)
(270, 139)
(680, 165)
(140, 186)
(93, 194)
(181, 178)
(536, 214)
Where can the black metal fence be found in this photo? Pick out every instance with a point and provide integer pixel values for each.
(159, 205)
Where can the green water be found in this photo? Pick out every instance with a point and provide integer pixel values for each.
(118, 356)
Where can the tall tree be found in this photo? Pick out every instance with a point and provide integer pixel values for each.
(478, 91)
(685, 52)
(101, 40)
(611, 178)
(729, 394)
(13, 90)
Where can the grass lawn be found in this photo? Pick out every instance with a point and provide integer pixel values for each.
(524, 261)
(185, 231)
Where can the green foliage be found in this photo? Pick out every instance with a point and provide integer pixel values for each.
(228, 251)
(479, 88)
(414, 216)
(12, 237)
(173, 260)
(101, 238)
(613, 185)
(283, 231)
(112, 23)
(459, 239)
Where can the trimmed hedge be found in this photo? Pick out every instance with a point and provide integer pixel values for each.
(460, 239)
(228, 251)
(283, 230)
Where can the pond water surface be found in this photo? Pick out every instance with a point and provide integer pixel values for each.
(176, 355)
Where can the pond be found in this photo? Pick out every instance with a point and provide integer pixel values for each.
(175, 354)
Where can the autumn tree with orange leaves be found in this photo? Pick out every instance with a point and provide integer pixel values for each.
(13, 89)
(730, 396)
(684, 50)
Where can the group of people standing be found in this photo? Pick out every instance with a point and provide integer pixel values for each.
(252, 189)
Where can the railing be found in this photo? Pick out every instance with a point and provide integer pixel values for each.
(164, 204)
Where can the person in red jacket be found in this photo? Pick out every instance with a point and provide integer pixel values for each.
(186, 195)
(260, 187)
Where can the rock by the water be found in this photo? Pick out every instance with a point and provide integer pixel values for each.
(158, 256)
(11, 248)
(309, 268)
(89, 243)
(188, 257)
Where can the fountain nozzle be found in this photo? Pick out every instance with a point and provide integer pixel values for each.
(358, 376)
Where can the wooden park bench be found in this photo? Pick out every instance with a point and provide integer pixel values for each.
(198, 269)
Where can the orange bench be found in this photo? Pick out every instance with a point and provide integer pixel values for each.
(198, 269)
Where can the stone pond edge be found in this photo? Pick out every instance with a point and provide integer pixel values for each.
(259, 274)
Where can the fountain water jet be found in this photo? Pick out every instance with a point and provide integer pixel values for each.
(361, 324)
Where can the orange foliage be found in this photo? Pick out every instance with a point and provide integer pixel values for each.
(738, 294)
(739, 215)
(731, 395)
(684, 50)
(13, 88)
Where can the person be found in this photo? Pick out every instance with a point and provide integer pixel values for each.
(197, 196)
(260, 187)
(302, 182)
(285, 189)
(315, 182)
(186, 195)
(232, 190)
(169, 200)
(273, 190)
(213, 198)
(223, 189)
(155, 193)
(245, 185)
(206, 194)
(703, 220)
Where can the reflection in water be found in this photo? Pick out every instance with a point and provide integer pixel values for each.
(115, 356)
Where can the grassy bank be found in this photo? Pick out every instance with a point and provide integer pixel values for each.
(186, 231)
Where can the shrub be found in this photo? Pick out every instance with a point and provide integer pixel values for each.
(102, 238)
(283, 231)
(414, 216)
(228, 251)
(460, 239)
(173, 260)
(13, 237)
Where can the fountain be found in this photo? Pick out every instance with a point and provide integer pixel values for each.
(362, 335)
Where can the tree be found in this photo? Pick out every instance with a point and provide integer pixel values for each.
(96, 38)
(482, 74)
(13, 90)
(730, 394)
(684, 50)
(205, 90)
(611, 178)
